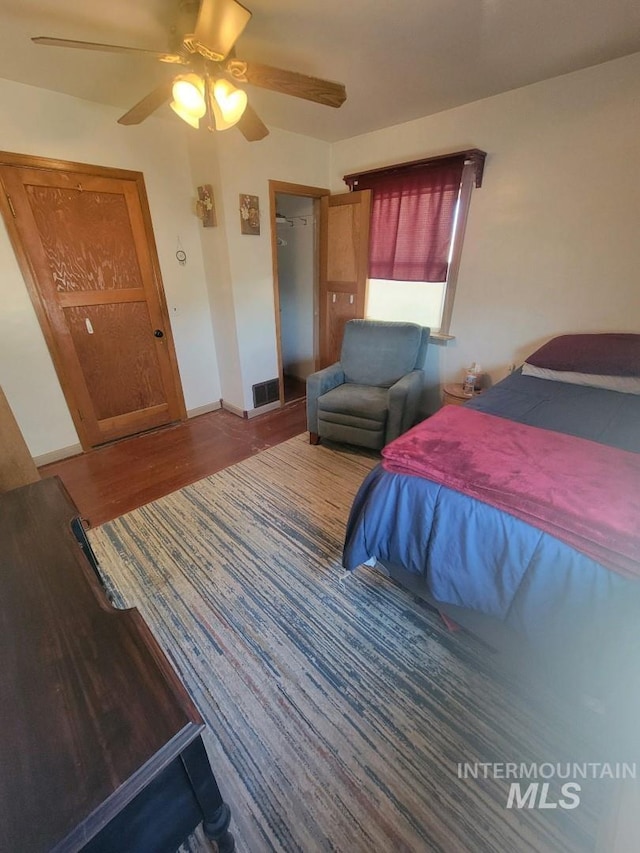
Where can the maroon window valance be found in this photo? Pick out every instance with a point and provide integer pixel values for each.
(412, 217)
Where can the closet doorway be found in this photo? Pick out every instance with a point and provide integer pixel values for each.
(295, 216)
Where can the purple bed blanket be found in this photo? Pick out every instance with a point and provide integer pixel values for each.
(584, 493)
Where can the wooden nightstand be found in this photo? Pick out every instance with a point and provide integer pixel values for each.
(452, 394)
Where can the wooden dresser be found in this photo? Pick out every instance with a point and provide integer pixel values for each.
(16, 465)
(100, 744)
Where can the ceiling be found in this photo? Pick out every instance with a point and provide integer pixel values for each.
(399, 60)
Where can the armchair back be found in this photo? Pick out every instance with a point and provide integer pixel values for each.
(379, 353)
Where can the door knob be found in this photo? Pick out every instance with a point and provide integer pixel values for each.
(159, 333)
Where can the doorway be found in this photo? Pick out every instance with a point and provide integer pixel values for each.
(295, 237)
(296, 246)
(83, 238)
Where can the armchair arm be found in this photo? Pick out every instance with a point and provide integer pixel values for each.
(404, 400)
(317, 384)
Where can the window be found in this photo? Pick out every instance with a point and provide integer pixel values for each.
(418, 216)
(419, 301)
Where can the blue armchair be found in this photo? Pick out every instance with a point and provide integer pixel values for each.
(372, 395)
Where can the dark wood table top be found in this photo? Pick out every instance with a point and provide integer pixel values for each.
(90, 709)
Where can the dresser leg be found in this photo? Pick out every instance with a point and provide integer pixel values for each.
(218, 830)
(216, 814)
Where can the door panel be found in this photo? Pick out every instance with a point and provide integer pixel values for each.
(343, 234)
(86, 248)
(344, 256)
(133, 381)
(102, 255)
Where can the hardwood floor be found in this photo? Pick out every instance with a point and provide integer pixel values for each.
(119, 477)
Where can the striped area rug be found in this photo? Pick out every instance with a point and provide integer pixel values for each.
(337, 710)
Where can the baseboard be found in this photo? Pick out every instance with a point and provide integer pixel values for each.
(251, 413)
(75, 449)
(262, 410)
(57, 455)
(203, 410)
(229, 407)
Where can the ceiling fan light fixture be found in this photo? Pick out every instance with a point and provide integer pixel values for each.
(185, 115)
(188, 92)
(220, 23)
(228, 104)
(218, 121)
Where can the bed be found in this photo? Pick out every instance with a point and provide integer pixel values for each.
(505, 579)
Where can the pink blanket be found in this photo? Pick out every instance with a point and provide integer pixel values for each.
(584, 493)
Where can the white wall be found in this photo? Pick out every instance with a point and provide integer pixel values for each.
(205, 169)
(552, 239)
(43, 123)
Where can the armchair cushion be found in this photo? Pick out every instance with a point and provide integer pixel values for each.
(365, 402)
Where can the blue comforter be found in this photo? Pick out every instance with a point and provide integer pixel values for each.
(475, 556)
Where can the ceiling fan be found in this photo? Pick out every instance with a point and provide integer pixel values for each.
(206, 88)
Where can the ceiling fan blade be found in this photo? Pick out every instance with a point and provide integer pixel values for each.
(220, 23)
(172, 58)
(251, 125)
(149, 104)
(288, 82)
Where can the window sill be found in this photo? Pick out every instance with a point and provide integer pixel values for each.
(439, 338)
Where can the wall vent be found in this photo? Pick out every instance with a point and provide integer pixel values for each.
(266, 392)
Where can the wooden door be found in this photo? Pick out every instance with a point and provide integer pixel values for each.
(344, 257)
(84, 241)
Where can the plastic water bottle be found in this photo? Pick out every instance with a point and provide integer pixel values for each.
(471, 380)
